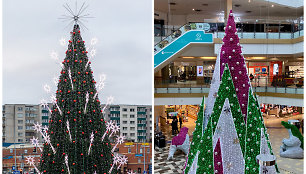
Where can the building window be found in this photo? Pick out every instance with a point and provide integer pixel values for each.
(20, 127)
(140, 150)
(124, 115)
(25, 151)
(20, 134)
(124, 122)
(132, 110)
(20, 140)
(132, 122)
(139, 161)
(19, 108)
(124, 134)
(124, 109)
(132, 128)
(132, 134)
(20, 121)
(148, 150)
(129, 150)
(19, 115)
(132, 116)
(124, 128)
(11, 150)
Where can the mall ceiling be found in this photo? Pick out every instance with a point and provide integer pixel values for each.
(215, 7)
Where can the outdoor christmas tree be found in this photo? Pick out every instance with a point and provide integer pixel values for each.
(234, 132)
(77, 139)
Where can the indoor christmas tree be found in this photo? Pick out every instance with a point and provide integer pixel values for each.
(197, 134)
(234, 133)
(77, 139)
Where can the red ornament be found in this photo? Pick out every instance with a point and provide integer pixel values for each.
(101, 111)
(73, 32)
(68, 91)
(79, 92)
(62, 100)
(59, 80)
(94, 111)
(70, 41)
(98, 101)
(79, 31)
(79, 41)
(74, 80)
(83, 41)
(57, 144)
(62, 170)
(91, 72)
(79, 72)
(106, 143)
(67, 61)
(68, 112)
(67, 132)
(86, 73)
(73, 141)
(45, 171)
(63, 72)
(79, 112)
(64, 153)
(51, 132)
(74, 100)
(74, 50)
(73, 163)
(90, 121)
(84, 81)
(74, 119)
(91, 92)
(83, 133)
(81, 154)
(86, 51)
(60, 90)
(49, 154)
(95, 165)
(60, 121)
(70, 50)
(80, 61)
(93, 81)
(83, 52)
(101, 119)
(76, 61)
(96, 132)
(101, 155)
(53, 162)
(65, 80)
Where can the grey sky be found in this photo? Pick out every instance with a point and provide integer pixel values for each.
(31, 30)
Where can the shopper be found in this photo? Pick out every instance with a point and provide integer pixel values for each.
(174, 126)
(302, 126)
(181, 121)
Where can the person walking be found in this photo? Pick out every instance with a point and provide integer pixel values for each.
(174, 126)
(181, 121)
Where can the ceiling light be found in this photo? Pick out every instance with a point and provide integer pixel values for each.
(187, 57)
(249, 1)
(258, 58)
(272, 5)
(193, 9)
(208, 57)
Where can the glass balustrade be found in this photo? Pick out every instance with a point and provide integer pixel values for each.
(246, 30)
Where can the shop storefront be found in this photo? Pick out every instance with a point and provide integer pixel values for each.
(280, 111)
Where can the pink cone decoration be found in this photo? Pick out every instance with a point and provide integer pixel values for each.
(231, 55)
(218, 158)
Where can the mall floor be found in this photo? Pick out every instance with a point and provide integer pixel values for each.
(276, 131)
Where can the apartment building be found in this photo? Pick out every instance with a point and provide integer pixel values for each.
(135, 121)
(18, 121)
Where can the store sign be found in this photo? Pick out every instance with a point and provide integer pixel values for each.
(258, 63)
(138, 155)
(129, 144)
(200, 71)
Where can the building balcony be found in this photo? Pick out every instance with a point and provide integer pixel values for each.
(141, 137)
(114, 118)
(141, 118)
(141, 130)
(114, 112)
(141, 125)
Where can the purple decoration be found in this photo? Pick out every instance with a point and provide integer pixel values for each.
(231, 55)
(180, 138)
(218, 158)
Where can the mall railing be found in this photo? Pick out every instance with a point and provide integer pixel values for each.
(262, 84)
(295, 30)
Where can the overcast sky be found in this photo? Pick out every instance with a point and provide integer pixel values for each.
(31, 30)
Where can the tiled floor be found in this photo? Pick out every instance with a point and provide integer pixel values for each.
(276, 131)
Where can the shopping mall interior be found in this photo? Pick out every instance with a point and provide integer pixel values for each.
(271, 35)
